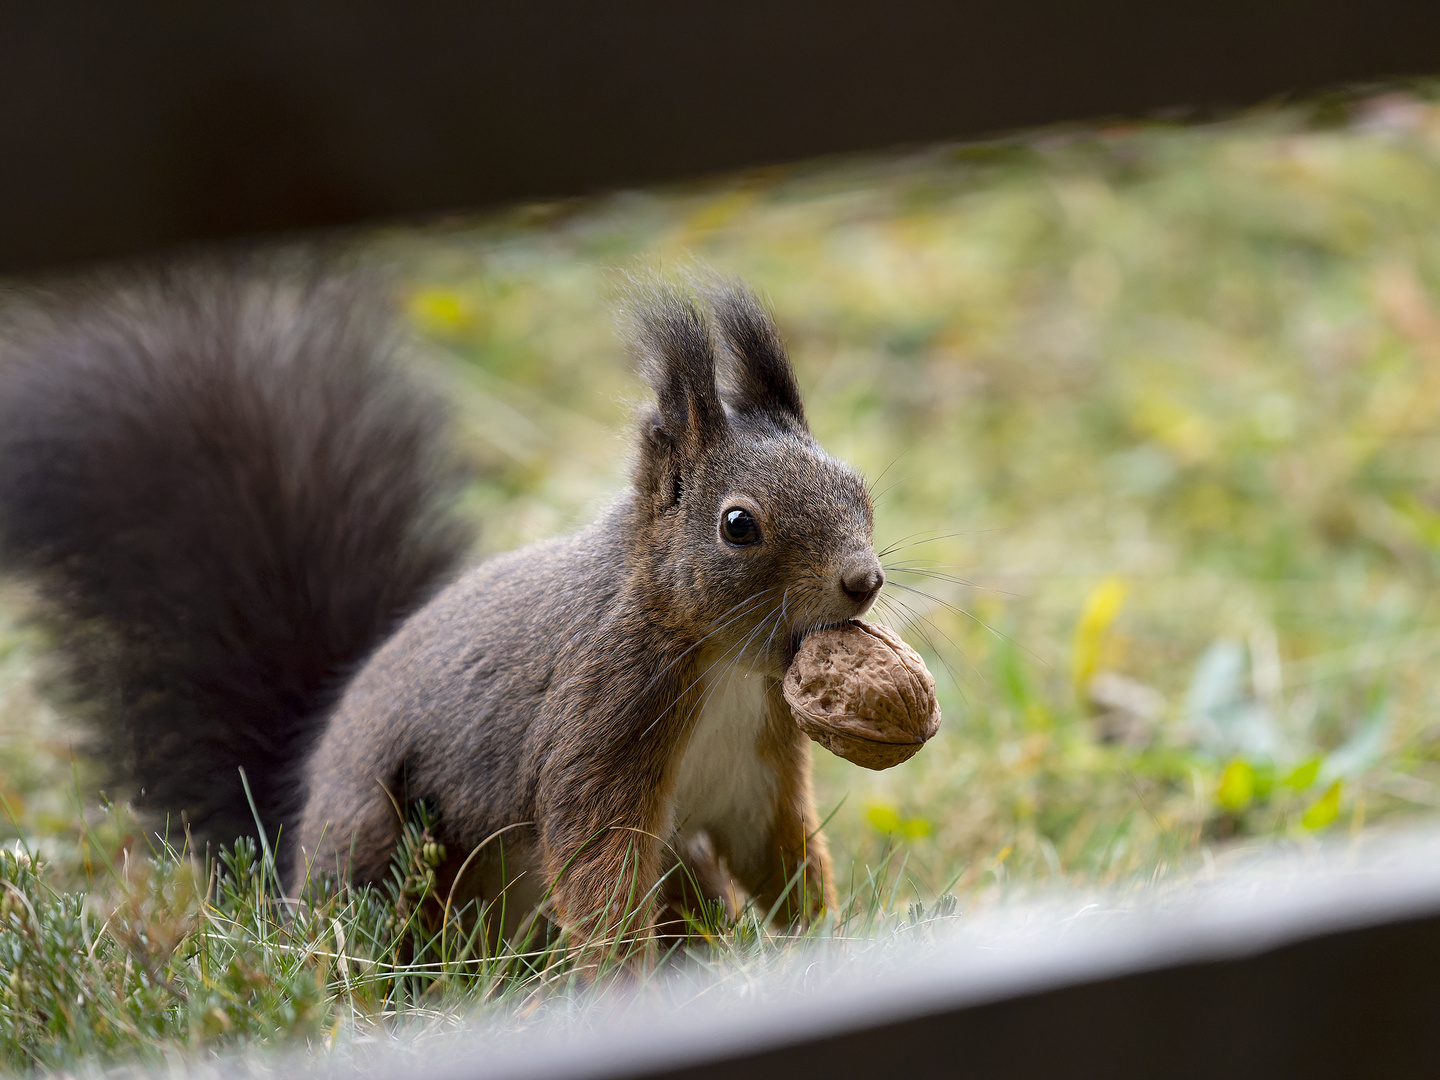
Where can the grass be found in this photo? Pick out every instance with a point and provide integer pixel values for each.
(170, 957)
(1156, 413)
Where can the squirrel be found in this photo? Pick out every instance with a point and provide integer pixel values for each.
(237, 511)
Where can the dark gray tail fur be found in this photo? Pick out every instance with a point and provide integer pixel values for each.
(227, 495)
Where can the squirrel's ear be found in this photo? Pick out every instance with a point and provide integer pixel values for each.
(758, 378)
(676, 350)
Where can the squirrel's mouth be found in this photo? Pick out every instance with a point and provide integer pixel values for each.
(776, 636)
(792, 646)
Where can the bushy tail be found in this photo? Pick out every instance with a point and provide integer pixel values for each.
(227, 495)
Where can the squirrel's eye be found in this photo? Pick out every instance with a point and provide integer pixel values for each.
(738, 527)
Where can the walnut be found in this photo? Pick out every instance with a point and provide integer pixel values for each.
(862, 693)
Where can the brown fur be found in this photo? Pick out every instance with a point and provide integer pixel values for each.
(560, 684)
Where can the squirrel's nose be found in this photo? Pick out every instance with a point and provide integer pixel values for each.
(861, 578)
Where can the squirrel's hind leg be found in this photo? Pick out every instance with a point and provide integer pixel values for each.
(348, 826)
(696, 889)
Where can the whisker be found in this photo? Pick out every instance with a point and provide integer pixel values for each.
(973, 618)
(714, 686)
(927, 564)
(926, 571)
(711, 633)
(914, 620)
(721, 659)
(900, 545)
(870, 488)
(780, 619)
(896, 545)
(804, 620)
(890, 486)
(950, 579)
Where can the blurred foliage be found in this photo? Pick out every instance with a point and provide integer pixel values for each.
(1155, 415)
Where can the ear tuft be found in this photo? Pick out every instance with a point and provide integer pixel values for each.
(758, 376)
(673, 343)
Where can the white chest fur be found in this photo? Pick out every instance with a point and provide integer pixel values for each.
(723, 785)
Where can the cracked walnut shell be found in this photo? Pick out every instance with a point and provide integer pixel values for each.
(862, 693)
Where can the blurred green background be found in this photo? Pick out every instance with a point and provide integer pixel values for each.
(1156, 413)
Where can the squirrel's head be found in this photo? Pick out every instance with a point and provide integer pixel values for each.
(750, 534)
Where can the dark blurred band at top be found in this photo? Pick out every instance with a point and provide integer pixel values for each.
(126, 128)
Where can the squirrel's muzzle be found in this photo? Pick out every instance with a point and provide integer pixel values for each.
(861, 577)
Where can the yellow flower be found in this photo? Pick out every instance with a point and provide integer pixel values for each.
(1323, 812)
(1101, 607)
